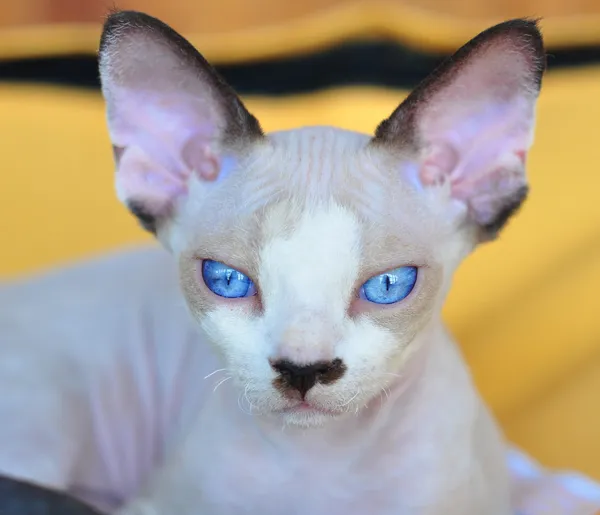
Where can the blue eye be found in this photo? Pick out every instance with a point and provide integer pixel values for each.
(391, 287)
(226, 281)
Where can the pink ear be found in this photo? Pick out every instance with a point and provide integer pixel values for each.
(471, 122)
(170, 115)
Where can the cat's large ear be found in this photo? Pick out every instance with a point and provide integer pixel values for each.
(170, 115)
(471, 122)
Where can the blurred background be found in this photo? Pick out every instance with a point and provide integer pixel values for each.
(525, 308)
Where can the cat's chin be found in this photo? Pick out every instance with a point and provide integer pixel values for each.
(305, 415)
(307, 419)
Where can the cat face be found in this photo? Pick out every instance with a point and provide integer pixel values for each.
(331, 266)
(317, 260)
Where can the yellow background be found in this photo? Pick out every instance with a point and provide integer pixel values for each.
(525, 308)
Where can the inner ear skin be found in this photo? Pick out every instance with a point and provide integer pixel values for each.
(240, 124)
(126, 35)
(400, 128)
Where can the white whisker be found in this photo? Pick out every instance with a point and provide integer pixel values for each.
(240, 403)
(214, 372)
(350, 399)
(250, 405)
(220, 383)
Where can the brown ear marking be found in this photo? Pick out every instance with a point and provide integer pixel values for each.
(240, 124)
(400, 126)
(146, 219)
(490, 230)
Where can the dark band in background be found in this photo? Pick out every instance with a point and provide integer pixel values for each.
(376, 63)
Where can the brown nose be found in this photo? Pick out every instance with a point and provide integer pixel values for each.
(303, 377)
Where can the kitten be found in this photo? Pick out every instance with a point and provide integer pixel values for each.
(316, 262)
(289, 356)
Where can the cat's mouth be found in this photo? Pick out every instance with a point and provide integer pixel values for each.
(308, 407)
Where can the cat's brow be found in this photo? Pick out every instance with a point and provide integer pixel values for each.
(316, 165)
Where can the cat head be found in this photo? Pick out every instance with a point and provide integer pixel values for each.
(317, 260)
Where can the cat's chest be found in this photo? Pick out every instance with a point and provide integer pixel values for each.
(255, 481)
(237, 470)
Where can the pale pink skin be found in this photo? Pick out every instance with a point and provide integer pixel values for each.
(134, 387)
(106, 372)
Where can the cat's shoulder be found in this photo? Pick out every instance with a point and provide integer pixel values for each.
(99, 300)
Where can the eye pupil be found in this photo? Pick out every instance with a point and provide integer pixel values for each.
(390, 287)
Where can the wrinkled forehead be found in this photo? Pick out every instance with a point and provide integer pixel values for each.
(317, 195)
